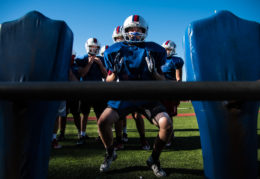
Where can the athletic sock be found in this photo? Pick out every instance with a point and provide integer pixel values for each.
(54, 136)
(110, 150)
(142, 137)
(125, 130)
(157, 149)
(82, 133)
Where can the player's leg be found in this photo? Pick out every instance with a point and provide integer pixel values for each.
(156, 114)
(54, 143)
(125, 137)
(85, 108)
(140, 128)
(99, 106)
(118, 144)
(62, 120)
(163, 121)
(171, 109)
(62, 127)
(105, 123)
(84, 123)
(74, 109)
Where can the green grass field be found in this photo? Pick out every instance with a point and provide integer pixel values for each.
(182, 160)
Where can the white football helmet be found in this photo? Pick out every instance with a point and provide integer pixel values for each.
(92, 46)
(170, 45)
(103, 49)
(135, 21)
(117, 33)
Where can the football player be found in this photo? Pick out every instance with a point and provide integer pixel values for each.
(172, 70)
(103, 49)
(135, 59)
(117, 36)
(91, 68)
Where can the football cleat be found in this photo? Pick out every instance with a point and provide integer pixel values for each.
(155, 166)
(82, 140)
(55, 144)
(145, 145)
(125, 138)
(104, 167)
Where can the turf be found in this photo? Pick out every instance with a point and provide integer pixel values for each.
(182, 160)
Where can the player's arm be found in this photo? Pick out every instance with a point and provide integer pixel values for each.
(158, 76)
(114, 64)
(111, 77)
(72, 77)
(178, 71)
(152, 67)
(101, 66)
(84, 70)
(179, 74)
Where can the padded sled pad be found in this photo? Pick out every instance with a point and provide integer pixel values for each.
(225, 47)
(32, 48)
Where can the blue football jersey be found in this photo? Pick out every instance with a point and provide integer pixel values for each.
(170, 66)
(134, 66)
(94, 73)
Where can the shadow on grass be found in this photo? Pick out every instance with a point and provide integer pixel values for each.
(258, 139)
(180, 143)
(258, 162)
(169, 171)
(127, 172)
(93, 147)
(156, 130)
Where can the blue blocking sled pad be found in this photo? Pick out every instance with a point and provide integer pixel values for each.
(225, 47)
(32, 48)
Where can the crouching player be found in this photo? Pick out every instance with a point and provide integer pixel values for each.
(131, 60)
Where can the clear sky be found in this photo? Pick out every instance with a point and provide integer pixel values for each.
(167, 19)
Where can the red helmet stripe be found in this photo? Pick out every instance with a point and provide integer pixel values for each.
(118, 29)
(166, 43)
(136, 18)
(95, 40)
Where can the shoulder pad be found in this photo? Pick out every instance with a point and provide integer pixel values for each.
(152, 46)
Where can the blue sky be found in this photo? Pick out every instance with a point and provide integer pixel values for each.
(167, 19)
